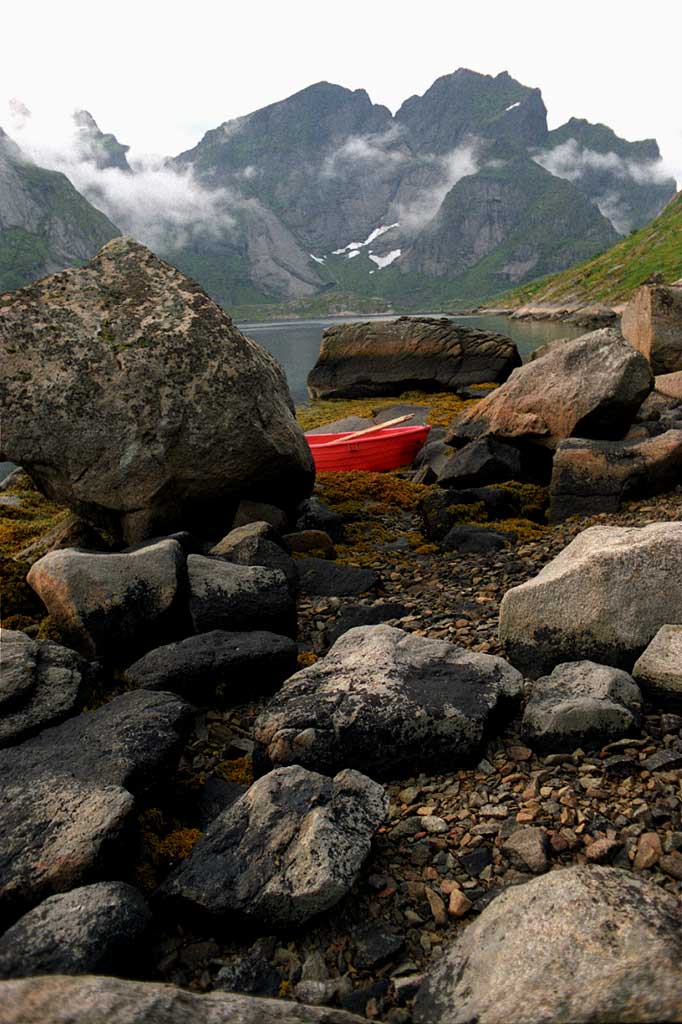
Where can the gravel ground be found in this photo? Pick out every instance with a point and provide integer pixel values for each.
(451, 842)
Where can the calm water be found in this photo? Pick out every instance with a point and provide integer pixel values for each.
(296, 343)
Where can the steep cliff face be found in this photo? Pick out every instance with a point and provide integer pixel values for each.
(103, 149)
(45, 224)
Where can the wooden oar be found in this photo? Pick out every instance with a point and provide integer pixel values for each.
(366, 430)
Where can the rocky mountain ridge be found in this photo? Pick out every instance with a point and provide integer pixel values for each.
(461, 194)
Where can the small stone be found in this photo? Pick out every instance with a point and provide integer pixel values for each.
(475, 861)
(437, 906)
(663, 760)
(527, 849)
(671, 863)
(409, 795)
(434, 825)
(649, 850)
(520, 753)
(602, 851)
(458, 905)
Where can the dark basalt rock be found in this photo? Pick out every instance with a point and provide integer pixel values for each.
(224, 595)
(388, 704)
(387, 358)
(94, 928)
(328, 579)
(313, 514)
(482, 462)
(365, 615)
(66, 795)
(474, 540)
(598, 476)
(239, 665)
(40, 685)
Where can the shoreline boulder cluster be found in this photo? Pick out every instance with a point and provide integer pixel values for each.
(176, 622)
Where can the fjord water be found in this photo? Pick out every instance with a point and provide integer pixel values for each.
(296, 343)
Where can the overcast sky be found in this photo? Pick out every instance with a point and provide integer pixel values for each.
(158, 74)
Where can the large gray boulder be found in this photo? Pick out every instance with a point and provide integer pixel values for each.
(67, 794)
(598, 476)
(388, 357)
(287, 850)
(388, 704)
(224, 595)
(581, 704)
(589, 387)
(92, 928)
(115, 605)
(40, 684)
(91, 999)
(575, 946)
(603, 598)
(239, 666)
(131, 397)
(652, 323)
(659, 669)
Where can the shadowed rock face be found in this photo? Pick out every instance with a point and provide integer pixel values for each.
(652, 323)
(377, 358)
(129, 396)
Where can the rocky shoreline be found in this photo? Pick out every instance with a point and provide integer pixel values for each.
(325, 756)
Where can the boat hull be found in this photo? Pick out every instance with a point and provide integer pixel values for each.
(387, 449)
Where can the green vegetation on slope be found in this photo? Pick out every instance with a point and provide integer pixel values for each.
(612, 277)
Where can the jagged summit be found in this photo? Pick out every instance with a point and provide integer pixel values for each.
(102, 148)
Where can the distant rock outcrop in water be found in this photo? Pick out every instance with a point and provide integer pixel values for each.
(387, 358)
(129, 396)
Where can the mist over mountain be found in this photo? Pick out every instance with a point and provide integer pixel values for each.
(460, 195)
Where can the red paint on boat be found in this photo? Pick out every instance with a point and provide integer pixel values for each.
(377, 452)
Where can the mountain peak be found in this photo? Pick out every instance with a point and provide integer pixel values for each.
(103, 149)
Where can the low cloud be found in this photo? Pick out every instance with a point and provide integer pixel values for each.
(158, 204)
(415, 213)
(572, 161)
(380, 150)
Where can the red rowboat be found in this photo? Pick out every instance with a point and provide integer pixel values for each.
(378, 451)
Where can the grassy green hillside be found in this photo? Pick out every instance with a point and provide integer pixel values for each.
(612, 277)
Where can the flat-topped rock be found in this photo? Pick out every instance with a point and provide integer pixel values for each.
(66, 795)
(598, 476)
(132, 398)
(652, 323)
(575, 946)
(287, 850)
(388, 704)
(603, 598)
(92, 999)
(224, 595)
(388, 357)
(40, 684)
(237, 666)
(589, 387)
(115, 605)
